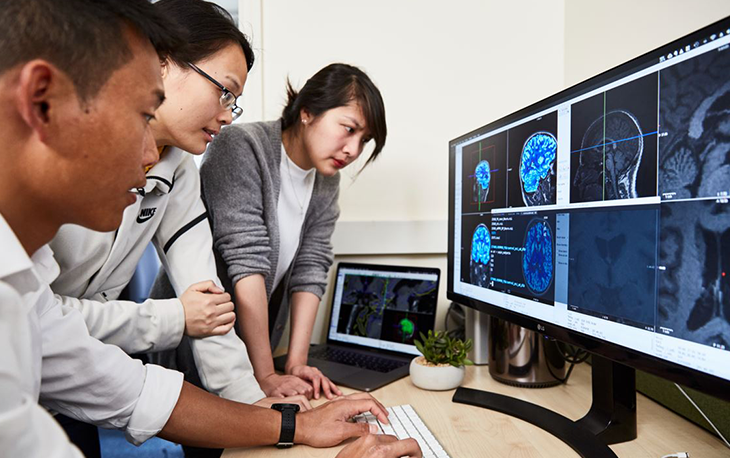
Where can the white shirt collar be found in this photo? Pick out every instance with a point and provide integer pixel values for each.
(45, 264)
(15, 259)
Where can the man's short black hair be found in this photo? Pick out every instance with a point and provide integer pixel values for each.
(83, 38)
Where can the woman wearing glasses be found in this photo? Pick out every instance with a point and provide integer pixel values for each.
(271, 190)
(201, 85)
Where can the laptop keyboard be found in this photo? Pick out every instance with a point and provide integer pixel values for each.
(356, 359)
(405, 423)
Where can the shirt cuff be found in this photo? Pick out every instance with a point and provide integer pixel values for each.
(172, 323)
(245, 390)
(160, 393)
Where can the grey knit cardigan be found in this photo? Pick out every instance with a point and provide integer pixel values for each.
(240, 184)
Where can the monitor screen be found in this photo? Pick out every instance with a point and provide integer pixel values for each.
(383, 307)
(603, 211)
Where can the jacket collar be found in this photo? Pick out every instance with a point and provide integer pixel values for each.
(162, 176)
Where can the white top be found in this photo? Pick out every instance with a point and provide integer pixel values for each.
(96, 266)
(47, 356)
(294, 196)
(22, 421)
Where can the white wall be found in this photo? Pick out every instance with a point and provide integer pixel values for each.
(444, 68)
(602, 34)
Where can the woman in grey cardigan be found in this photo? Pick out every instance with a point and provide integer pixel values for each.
(271, 190)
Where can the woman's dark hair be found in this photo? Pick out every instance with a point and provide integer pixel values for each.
(209, 29)
(334, 86)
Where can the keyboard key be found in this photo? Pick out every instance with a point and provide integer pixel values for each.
(405, 423)
(387, 429)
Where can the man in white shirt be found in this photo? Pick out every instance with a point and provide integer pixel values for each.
(79, 80)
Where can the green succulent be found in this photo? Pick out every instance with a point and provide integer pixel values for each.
(440, 348)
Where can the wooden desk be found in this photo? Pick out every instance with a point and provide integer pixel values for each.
(466, 431)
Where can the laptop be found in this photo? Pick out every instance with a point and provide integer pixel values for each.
(376, 313)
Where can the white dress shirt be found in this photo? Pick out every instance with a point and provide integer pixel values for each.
(47, 356)
(26, 429)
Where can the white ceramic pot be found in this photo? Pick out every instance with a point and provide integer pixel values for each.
(436, 378)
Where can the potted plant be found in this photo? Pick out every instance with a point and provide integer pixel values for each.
(442, 365)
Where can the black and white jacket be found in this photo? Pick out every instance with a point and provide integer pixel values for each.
(95, 268)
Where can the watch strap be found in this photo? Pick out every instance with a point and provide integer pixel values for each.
(288, 426)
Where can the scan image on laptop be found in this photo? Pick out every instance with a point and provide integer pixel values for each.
(377, 311)
(386, 307)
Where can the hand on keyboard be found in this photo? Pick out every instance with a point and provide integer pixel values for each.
(327, 425)
(383, 446)
(405, 423)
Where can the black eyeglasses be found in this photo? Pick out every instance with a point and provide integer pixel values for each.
(228, 98)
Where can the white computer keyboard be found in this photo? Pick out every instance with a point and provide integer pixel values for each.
(405, 423)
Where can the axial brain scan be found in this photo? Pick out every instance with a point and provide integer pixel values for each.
(537, 259)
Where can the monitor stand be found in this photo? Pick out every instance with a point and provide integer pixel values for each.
(610, 420)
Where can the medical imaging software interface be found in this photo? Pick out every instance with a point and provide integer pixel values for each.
(608, 213)
(384, 310)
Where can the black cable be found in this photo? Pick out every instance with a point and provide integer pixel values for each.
(446, 318)
(576, 357)
(460, 331)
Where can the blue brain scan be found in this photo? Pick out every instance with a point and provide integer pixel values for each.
(483, 177)
(537, 167)
(537, 259)
(481, 245)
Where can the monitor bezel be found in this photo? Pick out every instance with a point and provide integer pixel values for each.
(707, 383)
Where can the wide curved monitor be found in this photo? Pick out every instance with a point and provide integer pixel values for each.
(600, 216)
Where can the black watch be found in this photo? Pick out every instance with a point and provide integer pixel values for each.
(288, 423)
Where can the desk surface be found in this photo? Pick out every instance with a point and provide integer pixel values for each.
(466, 431)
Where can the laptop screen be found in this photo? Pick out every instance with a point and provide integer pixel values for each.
(383, 307)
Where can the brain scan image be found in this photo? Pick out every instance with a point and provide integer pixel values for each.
(610, 267)
(532, 162)
(694, 243)
(694, 155)
(386, 308)
(614, 143)
(609, 159)
(406, 328)
(537, 259)
(536, 166)
(484, 174)
(481, 244)
(483, 177)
